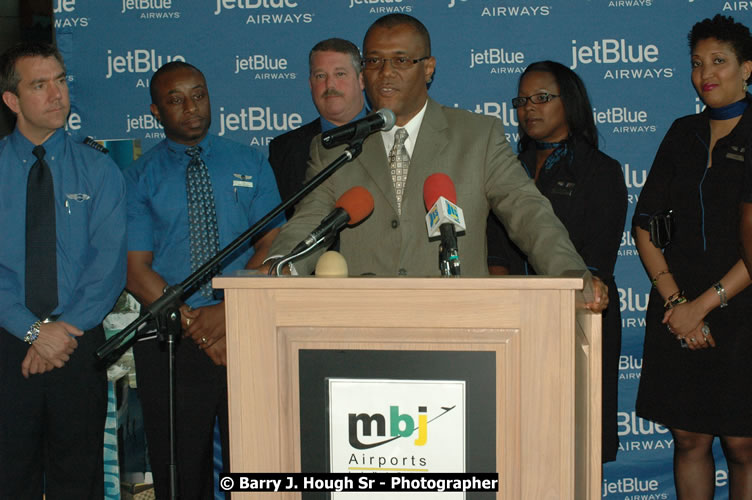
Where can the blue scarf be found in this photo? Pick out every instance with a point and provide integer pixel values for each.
(729, 111)
(561, 150)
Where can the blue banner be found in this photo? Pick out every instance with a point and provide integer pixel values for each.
(632, 55)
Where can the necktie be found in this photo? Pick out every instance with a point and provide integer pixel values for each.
(41, 245)
(399, 162)
(202, 215)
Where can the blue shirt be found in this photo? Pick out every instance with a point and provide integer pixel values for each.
(244, 192)
(90, 221)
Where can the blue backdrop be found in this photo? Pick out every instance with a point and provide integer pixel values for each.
(632, 55)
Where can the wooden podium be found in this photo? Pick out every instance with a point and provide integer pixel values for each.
(547, 357)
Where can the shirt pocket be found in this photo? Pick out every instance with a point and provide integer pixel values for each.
(75, 213)
(235, 201)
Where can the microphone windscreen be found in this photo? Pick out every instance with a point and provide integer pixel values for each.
(438, 185)
(390, 119)
(331, 264)
(357, 202)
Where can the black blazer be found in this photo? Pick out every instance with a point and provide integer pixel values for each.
(288, 156)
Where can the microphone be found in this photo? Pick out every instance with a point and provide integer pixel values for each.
(382, 119)
(444, 219)
(331, 264)
(353, 206)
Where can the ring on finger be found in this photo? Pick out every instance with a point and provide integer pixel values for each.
(188, 322)
(692, 339)
(705, 330)
(203, 339)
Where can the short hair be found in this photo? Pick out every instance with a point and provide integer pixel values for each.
(9, 77)
(577, 109)
(337, 45)
(168, 68)
(724, 29)
(393, 20)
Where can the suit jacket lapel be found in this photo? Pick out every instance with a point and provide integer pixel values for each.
(374, 161)
(432, 139)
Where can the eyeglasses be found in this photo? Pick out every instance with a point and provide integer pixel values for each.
(518, 102)
(397, 62)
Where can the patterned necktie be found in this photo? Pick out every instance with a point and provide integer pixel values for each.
(41, 245)
(399, 162)
(202, 215)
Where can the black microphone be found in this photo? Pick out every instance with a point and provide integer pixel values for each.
(353, 206)
(382, 119)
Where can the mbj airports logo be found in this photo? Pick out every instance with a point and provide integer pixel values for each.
(275, 11)
(623, 61)
(369, 431)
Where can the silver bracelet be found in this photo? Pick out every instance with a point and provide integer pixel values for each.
(721, 294)
(33, 332)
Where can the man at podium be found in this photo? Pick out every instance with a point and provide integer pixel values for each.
(428, 138)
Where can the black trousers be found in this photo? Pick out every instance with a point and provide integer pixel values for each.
(52, 425)
(201, 394)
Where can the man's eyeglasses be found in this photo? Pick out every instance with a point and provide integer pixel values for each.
(397, 62)
(518, 102)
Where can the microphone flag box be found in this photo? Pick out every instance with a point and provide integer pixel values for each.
(444, 212)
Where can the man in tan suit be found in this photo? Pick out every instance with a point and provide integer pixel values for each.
(470, 148)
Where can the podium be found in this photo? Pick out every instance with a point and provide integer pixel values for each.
(546, 365)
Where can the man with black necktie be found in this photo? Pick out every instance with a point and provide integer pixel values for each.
(189, 196)
(62, 266)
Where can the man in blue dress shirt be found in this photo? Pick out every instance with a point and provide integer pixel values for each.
(336, 84)
(237, 189)
(54, 292)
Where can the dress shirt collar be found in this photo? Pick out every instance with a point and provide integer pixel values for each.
(53, 146)
(326, 125)
(178, 150)
(412, 127)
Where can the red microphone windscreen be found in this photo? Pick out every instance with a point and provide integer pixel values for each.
(438, 185)
(357, 202)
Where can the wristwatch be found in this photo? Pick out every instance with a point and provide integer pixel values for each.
(33, 332)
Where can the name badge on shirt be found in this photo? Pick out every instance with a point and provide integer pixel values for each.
(242, 181)
(79, 197)
(563, 187)
(736, 153)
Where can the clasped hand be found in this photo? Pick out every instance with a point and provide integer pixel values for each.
(206, 327)
(685, 321)
(52, 348)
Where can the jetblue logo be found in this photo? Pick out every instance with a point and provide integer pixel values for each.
(137, 61)
(61, 9)
(612, 51)
(517, 11)
(255, 118)
(254, 4)
(630, 3)
(631, 301)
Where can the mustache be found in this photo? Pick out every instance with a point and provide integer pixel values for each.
(332, 93)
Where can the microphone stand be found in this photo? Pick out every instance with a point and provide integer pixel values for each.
(449, 257)
(165, 310)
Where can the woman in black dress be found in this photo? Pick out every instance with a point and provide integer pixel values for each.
(697, 362)
(559, 149)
